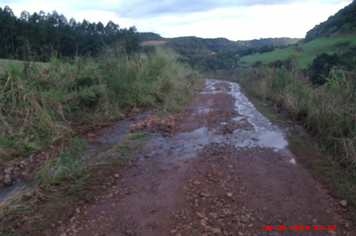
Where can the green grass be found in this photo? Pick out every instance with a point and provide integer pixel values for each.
(69, 166)
(133, 136)
(41, 106)
(311, 50)
(5, 63)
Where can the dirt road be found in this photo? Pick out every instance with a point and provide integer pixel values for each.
(225, 170)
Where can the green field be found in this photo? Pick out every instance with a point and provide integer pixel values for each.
(311, 50)
(5, 63)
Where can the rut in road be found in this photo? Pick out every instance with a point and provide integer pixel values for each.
(225, 171)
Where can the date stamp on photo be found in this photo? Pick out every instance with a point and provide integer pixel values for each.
(299, 227)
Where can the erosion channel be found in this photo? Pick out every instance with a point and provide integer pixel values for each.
(223, 169)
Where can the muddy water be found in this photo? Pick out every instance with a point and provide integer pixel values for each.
(188, 144)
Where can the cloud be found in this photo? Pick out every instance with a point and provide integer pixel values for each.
(143, 8)
(233, 19)
(250, 23)
(139, 9)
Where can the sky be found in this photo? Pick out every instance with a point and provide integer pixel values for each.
(232, 19)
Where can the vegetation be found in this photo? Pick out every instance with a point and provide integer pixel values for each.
(277, 42)
(306, 55)
(40, 106)
(343, 22)
(148, 36)
(222, 44)
(197, 50)
(188, 48)
(35, 37)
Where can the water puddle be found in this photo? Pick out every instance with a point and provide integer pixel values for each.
(188, 144)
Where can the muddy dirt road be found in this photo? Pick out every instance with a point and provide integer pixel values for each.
(224, 171)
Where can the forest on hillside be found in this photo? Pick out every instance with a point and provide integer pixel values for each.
(38, 35)
(344, 21)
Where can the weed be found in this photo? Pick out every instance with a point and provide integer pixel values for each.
(68, 166)
(133, 136)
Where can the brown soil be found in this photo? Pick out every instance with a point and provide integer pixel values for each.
(220, 191)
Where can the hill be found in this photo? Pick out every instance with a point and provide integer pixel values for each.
(309, 51)
(343, 22)
(194, 46)
(268, 41)
(148, 36)
(223, 44)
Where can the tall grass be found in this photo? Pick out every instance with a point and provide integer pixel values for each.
(328, 111)
(41, 106)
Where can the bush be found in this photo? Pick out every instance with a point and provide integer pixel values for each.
(321, 66)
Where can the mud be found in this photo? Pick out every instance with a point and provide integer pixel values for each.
(22, 173)
(223, 169)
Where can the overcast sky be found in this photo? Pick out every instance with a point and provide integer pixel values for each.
(232, 19)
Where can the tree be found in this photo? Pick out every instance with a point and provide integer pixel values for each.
(25, 16)
(42, 33)
(9, 31)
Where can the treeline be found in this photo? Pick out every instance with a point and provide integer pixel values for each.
(344, 21)
(278, 42)
(35, 36)
(213, 44)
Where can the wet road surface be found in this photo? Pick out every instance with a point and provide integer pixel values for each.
(224, 171)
